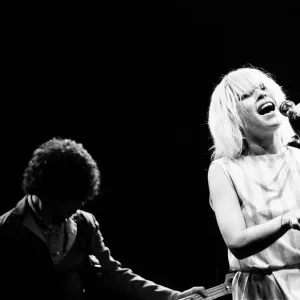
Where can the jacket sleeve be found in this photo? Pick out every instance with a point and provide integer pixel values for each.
(123, 279)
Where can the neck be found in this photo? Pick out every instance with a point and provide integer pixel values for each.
(268, 144)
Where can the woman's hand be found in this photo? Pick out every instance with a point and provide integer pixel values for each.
(291, 220)
(295, 111)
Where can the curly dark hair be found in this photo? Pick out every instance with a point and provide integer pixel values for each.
(62, 166)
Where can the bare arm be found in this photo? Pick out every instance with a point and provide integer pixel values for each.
(240, 240)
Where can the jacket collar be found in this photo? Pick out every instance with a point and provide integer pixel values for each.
(22, 208)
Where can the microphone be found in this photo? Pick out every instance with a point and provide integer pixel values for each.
(286, 108)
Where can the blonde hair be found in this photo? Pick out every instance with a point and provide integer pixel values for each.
(228, 120)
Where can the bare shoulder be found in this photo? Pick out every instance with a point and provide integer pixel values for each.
(225, 203)
(217, 174)
(224, 199)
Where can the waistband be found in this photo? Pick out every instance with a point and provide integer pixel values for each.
(270, 270)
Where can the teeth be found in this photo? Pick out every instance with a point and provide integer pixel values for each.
(266, 105)
(269, 105)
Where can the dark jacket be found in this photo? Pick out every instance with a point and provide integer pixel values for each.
(27, 269)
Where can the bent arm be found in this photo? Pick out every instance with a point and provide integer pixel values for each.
(241, 241)
(123, 279)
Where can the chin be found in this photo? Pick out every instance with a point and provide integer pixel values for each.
(273, 123)
(276, 124)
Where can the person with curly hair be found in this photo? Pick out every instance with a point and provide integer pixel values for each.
(254, 187)
(50, 247)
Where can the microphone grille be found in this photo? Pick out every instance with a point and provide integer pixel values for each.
(285, 106)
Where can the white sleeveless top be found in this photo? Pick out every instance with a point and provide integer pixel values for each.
(267, 186)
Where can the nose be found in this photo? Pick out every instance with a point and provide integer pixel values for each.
(261, 95)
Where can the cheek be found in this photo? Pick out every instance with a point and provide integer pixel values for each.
(277, 100)
(276, 93)
(247, 112)
(251, 120)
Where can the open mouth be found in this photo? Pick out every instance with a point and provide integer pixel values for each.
(266, 108)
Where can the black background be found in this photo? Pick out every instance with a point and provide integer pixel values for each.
(133, 85)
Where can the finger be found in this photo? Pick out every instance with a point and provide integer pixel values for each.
(290, 112)
(199, 290)
(297, 110)
(293, 112)
(294, 222)
(296, 226)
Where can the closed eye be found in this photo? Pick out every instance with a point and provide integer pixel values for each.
(262, 87)
(244, 96)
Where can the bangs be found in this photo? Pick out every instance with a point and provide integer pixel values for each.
(228, 119)
(244, 82)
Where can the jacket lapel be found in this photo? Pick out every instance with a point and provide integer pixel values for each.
(71, 233)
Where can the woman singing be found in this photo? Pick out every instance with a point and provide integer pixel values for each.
(254, 183)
